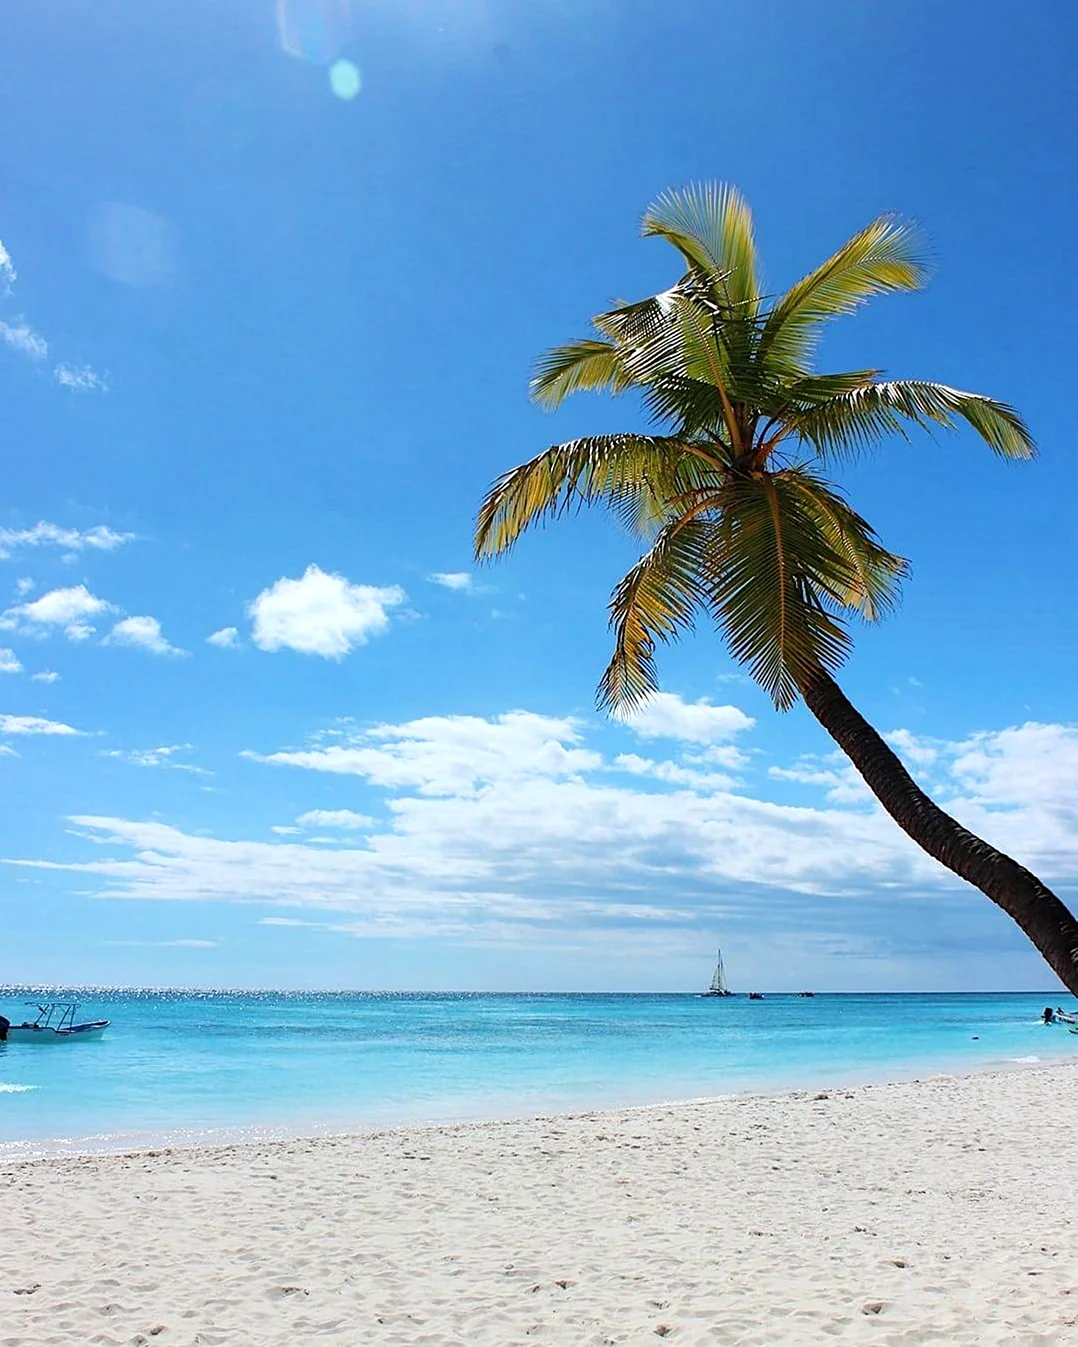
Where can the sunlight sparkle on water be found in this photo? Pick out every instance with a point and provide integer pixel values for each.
(344, 79)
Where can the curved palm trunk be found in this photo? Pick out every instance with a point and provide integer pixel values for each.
(1042, 916)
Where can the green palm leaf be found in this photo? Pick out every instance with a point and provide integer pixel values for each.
(875, 574)
(887, 256)
(656, 601)
(855, 420)
(776, 572)
(584, 364)
(710, 224)
(617, 469)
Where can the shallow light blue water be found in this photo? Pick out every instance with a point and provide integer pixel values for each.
(175, 1063)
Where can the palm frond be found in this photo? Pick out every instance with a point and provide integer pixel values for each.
(710, 224)
(642, 320)
(613, 468)
(855, 420)
(656, 600)
(774, 575)
(886, 256)
(586, 364)
(875, 575)
(690, 406)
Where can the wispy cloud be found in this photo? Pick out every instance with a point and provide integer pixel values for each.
(227, 638)
(9, 662)
(101, 538)
(8, 274)
(46, 676)
(666, 715)
(458, 580)
(334, 818)
(80, 379)
(320, 614)
(20, 336)
(142, 633)
(34, 725)
(165, 756)
(166, 944)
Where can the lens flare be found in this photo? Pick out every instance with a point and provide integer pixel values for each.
(313, 30)
(344, 79)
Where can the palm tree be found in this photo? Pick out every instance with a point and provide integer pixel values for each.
(731, 499)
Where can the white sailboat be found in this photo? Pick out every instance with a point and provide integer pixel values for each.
(718, 985)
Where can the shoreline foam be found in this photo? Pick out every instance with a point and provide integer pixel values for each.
(138, 1140)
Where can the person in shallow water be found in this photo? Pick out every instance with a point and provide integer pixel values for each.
(1049, 1015)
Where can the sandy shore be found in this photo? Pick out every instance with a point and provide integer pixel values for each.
(939, 1211)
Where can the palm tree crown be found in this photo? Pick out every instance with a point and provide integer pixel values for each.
(730, 494)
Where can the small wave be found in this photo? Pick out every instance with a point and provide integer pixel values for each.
(15, 1089)
(1024, 1060)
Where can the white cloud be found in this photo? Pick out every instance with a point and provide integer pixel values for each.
(144, 633)
(164, 756)
(6, 752)
(514, 829)
(80, 379)
(8, 274)
(1010, 768)
(914, 749)
(285, 830)
(9, 663)
(67, 608)
(835, 773)
(666, 715)
(452, 755)
(226, 638)
(332, 818)
(21, 337)
(674, 773)
(33, 725)
(166, 944)
(46, 676)
(320, 614)
(23, 585)
(459, 580)
(43, 534)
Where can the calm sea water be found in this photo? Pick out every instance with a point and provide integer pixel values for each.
(182, 1066)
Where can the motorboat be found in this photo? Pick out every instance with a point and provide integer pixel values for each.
(54, 1023)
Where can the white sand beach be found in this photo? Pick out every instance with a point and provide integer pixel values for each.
(935, 1211)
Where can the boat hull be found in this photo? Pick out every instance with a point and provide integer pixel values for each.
(26, 1033)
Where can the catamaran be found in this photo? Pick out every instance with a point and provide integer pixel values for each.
(718, 985)
(55, 1023)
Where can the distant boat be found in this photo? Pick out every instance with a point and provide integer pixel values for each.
(55, 1023)
(806, 993)
(718, 985)
(756, 996)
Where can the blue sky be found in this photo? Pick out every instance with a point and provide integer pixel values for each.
(263, 348)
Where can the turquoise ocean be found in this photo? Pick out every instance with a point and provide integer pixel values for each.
(184, 1067)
